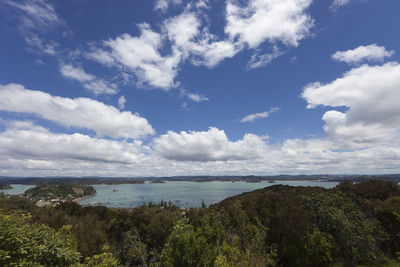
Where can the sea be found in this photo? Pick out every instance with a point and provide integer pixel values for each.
(184, 194)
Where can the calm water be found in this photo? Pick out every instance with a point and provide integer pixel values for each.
(17, 189)
(181, 193)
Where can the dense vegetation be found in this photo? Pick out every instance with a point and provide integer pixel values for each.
(63, 190)
(350, 225)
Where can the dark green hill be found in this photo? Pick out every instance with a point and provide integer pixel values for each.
(5, 187)
(311, 226)
(63, 191)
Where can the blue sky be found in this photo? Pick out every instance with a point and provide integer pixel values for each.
(174, 87)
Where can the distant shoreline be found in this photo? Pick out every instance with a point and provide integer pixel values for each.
(199, 179)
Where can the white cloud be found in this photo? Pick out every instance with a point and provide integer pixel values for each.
(362, 54)
(90, 82)
(79, 112)
(24, 140)
(155, 57)
(185, 153)
(40, 45)
(283, 21)
(101, 87)
(260, 115)
(201, 46)
(192, 96)
(141, 55)
(211, 145)
(75, 73)
(258, 61)
(202, 4)
(371, 94)
(100, 56)
(36, 14)
(338, 3)
(121, 102)
(362, 136)
(196, 97)
(163, 5)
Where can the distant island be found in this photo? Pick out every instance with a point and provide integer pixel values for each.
(51, 194)
(5, 187)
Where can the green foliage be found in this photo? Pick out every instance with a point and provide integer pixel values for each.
(63, 190)
(319, 248)
(105, 259)
(186, 247)
(388, 213)
(16, 203)
(133, 249)
(357, 236)
(372, 189)
(353, 224)
(95, 227)
(23, 243)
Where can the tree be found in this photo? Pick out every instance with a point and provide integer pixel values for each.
(23, 243)
(186, 247)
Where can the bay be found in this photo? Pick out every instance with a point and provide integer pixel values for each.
(181, 193)
(17, 189)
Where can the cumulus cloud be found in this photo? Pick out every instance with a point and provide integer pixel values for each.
(185, 153)
(75, 73)
(121, 102)
(260, 115)
(370, 94)
(141, 55)
(79, 112)
(90, 82)
(24, 140)
(211, 145)
(100, 56)
(283, 21)
(155, 56)
(361, 54)
(163, 5)
(362, 136)
(201, 46)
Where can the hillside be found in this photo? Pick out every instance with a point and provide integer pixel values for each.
(350, 225)
(60, 191)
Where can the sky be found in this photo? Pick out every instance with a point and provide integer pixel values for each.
(223, 87)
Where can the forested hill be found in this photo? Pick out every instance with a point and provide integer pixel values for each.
(62, 190)
(311, 226)
(350, 225)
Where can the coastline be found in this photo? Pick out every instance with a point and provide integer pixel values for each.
(76, 200)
